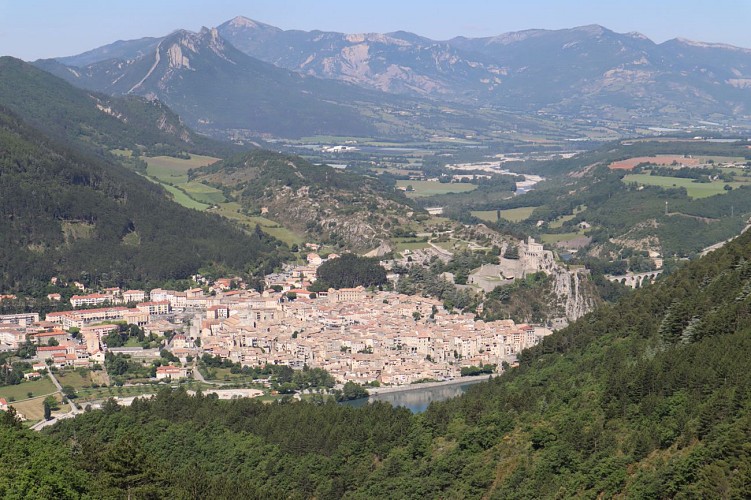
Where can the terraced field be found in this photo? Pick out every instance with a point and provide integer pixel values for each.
(172, 173)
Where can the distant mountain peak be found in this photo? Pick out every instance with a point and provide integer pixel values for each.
(194, 42)
(637, 36)
(592, 29)
(245, 23)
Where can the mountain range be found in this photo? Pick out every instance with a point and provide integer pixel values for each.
(255, 77)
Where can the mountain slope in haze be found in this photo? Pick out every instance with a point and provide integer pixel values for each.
(122, 49)
(588, 70)
(396, 62)
(95, 120)
(646, 398)
(64, 212)
(213, 86)
(335, 206)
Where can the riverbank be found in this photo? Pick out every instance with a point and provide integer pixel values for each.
(374, 391)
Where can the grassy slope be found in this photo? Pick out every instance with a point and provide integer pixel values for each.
(512, 214)
(429, 188)
(172, 174)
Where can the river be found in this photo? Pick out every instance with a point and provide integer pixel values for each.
(418, 398)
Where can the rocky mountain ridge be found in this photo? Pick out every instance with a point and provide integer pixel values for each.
(588, 72)
(557, 71)
(215, 87)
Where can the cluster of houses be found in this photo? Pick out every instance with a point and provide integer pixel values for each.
(75, 338)
(298, 277)
(355, 334)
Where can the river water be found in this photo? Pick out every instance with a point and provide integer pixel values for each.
(417, 400)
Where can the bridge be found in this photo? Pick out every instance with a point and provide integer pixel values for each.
(635, 280)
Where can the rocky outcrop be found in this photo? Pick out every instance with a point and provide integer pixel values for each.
(569, 296)
(575, 293)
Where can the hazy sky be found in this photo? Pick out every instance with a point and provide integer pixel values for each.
(31, 29)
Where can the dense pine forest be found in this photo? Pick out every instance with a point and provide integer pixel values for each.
(646, 398)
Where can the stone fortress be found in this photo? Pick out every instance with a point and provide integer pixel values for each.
(532, 259)
(573, 302)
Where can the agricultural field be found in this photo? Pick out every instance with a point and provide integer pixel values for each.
(183, 198)
(203, 193)
(172, 174)
(232, 211)
(169, 169)
(403, 244)
(512, 214)
(74, 379)
(665, 160)
(33, 409)
(431, 188)
(693, 189)
(552, 238)
(20, 391)
(674, 160)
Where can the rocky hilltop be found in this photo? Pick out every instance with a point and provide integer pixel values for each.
(562, 297)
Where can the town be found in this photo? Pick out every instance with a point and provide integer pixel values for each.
(365, 336)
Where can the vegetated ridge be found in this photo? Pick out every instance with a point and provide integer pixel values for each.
(341, 208)
(65, 212)
(97, 121)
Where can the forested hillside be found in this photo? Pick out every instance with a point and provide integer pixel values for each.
(96, 121)
(647, 398)
(63, 212)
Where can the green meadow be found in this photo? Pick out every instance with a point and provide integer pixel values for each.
(693, 189)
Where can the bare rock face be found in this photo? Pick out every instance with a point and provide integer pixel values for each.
(572, 289)
(570, 294)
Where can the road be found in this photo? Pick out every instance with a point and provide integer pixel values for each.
(73, 408)
(199, 376)
(427, 385)
(440, 250)
(72, 413)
